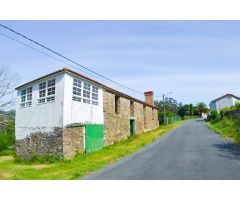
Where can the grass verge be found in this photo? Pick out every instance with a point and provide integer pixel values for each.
(81, 165)
(228, 128)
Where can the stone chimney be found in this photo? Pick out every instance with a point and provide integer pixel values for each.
(149, 97)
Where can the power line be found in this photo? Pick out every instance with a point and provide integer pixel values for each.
(35, 49)
(62, 56)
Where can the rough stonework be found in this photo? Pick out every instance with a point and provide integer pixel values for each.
(149, 97)
(39, 143)
(73, 141)
(139, 115)
(117, 125)
(149, 120)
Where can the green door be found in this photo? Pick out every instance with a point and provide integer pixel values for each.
(132, 126)
(94, 137)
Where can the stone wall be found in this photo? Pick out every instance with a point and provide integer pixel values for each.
(73, 141)
(149, 121)
(139, 115)
(40, 143)
(62, 142)
(156, 121)
(117, 125)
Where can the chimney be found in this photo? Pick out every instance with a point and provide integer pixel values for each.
(149, 97)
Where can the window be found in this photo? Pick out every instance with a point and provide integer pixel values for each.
(131, 108)
(86, 101)
(117, 104)
(94, 95)
(51, 99)
(95, 89)
(152, 114)
(42, 89)
(47, 91)
(87, 86)
(76, 99)
(77, 90)
(51, 87)
(86, 93)
(26, 97)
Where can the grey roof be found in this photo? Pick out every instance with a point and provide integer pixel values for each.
(225, 96)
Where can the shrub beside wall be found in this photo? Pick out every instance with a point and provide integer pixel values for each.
(7, 137)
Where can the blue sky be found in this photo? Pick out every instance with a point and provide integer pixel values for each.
(196, 60)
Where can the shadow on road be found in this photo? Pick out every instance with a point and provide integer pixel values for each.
(229, 150)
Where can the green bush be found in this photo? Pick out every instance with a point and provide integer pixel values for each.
(7, 137)
(214, 116)
(237, 106)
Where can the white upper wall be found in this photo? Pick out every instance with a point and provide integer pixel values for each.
(80, 112)
(61, 112)
(41, 117)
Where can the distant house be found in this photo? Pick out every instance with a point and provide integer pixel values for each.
(64, 112)
(225, 101)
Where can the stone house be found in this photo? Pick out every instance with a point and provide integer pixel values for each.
(65, 112)
(224, 101)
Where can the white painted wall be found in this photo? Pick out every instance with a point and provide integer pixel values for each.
(40, 117)
(225, 102)
(79, 112)
(62, 112)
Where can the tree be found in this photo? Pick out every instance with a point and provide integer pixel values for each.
(171, 105)
(184, 110)
(201, 108)
(8, 82)
(191, 110)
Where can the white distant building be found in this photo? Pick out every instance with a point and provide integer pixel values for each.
(225, 101)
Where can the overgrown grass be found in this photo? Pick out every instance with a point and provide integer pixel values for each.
(228, 128)
(81, 165)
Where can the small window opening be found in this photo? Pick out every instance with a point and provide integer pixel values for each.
(117, 104)
(131, 108)
(145, 117)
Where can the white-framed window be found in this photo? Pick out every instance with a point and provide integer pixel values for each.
(86, 93)
(26, 97)
(94, 95)
(77, 90)
(47, 91)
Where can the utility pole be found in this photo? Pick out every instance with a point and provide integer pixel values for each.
(164, 111)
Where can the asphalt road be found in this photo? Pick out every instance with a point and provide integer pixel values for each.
(192, 151)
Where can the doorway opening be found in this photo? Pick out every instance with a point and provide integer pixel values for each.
(132, 127)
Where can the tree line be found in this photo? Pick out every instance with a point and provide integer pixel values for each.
(174, 108)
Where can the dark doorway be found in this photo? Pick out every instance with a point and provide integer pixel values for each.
(132, 127)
